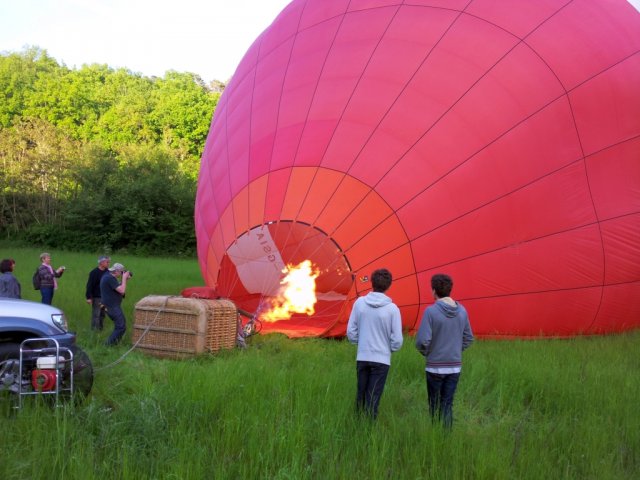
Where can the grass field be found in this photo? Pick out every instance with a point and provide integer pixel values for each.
(282, 409)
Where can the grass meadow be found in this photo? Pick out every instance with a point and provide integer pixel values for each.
(283, 409)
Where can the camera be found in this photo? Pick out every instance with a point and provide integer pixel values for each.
(130, 273)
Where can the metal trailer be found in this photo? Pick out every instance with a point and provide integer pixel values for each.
(51, 367)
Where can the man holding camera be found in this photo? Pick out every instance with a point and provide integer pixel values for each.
(112, 292)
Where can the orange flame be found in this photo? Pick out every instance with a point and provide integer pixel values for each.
(297, 293)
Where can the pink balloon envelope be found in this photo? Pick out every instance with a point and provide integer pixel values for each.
(498, 142)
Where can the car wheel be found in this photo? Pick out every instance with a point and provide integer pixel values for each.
(9, 366)
(9, 350)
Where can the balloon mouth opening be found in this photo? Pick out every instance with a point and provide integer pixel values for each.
(255, 268)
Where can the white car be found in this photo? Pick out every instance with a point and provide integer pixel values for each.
(22, 320)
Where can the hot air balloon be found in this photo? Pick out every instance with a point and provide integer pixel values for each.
(498, 142)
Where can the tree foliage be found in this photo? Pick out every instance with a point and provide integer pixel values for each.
(97, 157)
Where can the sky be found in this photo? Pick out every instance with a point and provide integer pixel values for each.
(206, 37)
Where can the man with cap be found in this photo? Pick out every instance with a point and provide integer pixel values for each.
(112, 292)
(93, 295)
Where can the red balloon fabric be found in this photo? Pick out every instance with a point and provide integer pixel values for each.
(498, 142)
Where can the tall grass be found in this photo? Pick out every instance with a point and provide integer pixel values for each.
(283, 408)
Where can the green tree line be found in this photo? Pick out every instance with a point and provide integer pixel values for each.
(97, 158)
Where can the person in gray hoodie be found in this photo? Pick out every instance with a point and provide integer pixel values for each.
(375, 326)
(443, 334)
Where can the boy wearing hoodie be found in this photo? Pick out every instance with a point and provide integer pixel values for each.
(443, 334)
(375, 326)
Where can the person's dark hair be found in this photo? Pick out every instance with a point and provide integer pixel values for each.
(381, 280)
(6, 265)
(442, 284)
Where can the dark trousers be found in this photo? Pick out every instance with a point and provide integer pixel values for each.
(371, 379)
(119, 325)
(47, 295)
(97, 314)
(441, 388)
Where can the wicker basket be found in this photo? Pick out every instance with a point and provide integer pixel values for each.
(178, 327)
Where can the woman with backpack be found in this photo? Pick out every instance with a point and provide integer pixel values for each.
(45, 278)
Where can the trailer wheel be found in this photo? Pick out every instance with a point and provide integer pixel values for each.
(82, 374)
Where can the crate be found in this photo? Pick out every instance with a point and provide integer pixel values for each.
(178, 327)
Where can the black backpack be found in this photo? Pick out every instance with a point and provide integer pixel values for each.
(36, 279)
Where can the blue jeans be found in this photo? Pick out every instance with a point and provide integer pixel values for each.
(371, 379)
(47, 295)
(119, 325)
(441, 388)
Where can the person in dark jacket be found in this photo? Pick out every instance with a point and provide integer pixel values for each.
(48, 282)
(92, 293)
(9, 284)
(375, 325)
(443, 334)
